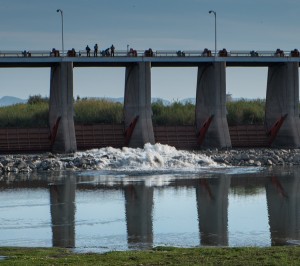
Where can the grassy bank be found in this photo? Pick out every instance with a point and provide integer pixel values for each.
(157, 256)
(93, 111)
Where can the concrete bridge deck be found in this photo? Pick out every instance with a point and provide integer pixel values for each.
(159, 59)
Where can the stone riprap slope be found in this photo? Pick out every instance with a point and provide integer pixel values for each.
(255, 157)
(87, 161)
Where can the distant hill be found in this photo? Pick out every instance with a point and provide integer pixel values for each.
(188, 100)
(165, 102)
(154, 100)
(121, 100)
(183, 101)
(10, 100)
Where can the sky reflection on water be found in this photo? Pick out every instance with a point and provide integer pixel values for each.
(97, 211)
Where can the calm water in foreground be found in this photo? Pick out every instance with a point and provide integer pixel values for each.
(119, 210)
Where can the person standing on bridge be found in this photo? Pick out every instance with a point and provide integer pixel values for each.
(112, 50)
(88, 50)
(96, 50)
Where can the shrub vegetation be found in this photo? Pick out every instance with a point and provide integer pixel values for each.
(174, 114)
(245, 112)
(24, 115)
(93, 111)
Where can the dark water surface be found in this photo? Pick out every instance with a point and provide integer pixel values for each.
(103, 211)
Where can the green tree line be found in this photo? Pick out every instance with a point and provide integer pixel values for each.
(92, 111)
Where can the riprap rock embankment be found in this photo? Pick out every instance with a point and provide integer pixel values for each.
(85, 161)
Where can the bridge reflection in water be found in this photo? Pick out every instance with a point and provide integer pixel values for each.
(141, 202)
(62, 199)
(283, 197)
(212, 203)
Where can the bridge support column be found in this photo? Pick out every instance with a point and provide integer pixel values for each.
(137, 102)
(283, 98)
(61, 113)
(211, 100)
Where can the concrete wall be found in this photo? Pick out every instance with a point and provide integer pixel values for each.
(211, 100)
(137, 102)
(61, 105)
(283, 98)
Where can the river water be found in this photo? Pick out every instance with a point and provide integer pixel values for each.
(153, 197)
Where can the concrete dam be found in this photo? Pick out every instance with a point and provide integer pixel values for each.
(211, 127)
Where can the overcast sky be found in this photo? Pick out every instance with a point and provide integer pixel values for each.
(159, 24)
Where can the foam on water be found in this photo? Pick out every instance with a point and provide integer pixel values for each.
(150, 158)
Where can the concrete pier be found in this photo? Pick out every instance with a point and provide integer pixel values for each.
(137, 102)
(61, 113)
(211, 100)
(283, 98)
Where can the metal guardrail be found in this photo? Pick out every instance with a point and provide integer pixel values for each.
(24, 53)
(157, 53)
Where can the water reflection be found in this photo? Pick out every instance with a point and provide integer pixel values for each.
(62, 199)
(212, 205)
(141, 199)
(139, 204)
(283, 197)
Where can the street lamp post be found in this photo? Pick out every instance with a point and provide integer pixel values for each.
(62, 30)
(215, 14)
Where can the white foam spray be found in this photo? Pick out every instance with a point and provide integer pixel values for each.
(150, 158)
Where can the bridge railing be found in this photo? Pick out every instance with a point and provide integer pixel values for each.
(24, 53)
(40, 53)
(253, 53)
(157, 53)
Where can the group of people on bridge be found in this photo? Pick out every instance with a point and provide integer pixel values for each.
(72, 53)
(107, 52)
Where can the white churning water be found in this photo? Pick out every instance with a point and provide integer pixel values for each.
(151, 157)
